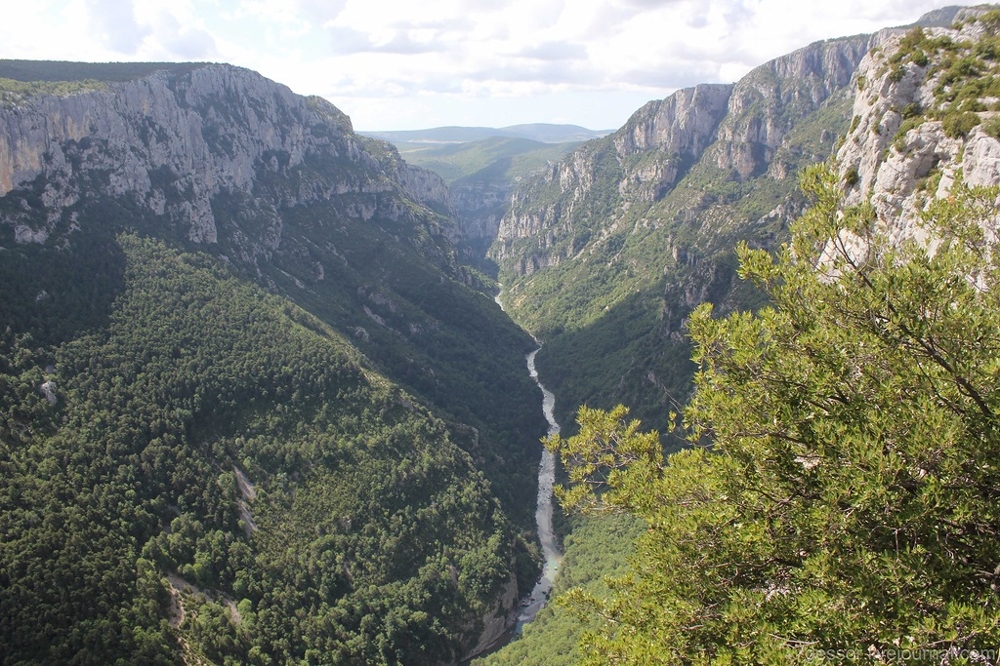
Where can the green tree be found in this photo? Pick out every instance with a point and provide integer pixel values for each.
(841, 499)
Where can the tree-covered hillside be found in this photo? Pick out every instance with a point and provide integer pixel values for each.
(255, 410)
(206, 428)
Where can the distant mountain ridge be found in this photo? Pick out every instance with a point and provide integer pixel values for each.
(541, 132)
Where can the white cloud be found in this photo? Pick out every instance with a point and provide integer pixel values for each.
(113, 22)
(184, 42)
(396, 64)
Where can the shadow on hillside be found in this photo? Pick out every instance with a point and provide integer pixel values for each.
(72, 294)
(638, 353)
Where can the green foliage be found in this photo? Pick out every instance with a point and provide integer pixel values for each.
(958, 125)
(62, 72)
(365, 510)
(14, 92)
(596, 552)
(990, 20)
(992, 127)
(849, 499)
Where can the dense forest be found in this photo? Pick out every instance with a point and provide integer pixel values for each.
(216, 431)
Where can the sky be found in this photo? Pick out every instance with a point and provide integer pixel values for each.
(415, 64)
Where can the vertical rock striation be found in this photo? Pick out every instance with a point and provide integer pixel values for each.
(737, 128)
(175, 140)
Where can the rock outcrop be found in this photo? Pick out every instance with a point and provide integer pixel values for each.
(913, 137)
(739, 129)
(175, 140)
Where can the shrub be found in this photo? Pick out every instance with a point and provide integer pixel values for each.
(899, 141)
(992, 127)
(991, 21)
(958, 125)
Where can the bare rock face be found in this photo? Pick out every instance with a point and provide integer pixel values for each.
(901, 152)
(172, 142)
(682, 123)
(737, 128)
(498, 621)
(480, 207)
(767, 102)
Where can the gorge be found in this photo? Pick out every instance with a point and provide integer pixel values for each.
(257, 401)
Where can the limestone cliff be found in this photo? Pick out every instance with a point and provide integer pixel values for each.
(922, 120)
(768, 103)
(176, 139)
(739, 129)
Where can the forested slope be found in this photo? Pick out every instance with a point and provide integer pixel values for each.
(364, 511)
(271, 379)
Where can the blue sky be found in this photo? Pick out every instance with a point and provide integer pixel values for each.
(408, 65)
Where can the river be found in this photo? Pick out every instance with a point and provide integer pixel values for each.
(539, 596)
(543, 513)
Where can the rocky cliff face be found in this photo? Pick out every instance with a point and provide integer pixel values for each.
(922, 120)
(767, 103)
(480, 206)
(641, 160)
(739, 129)
(172, 142)
(665, 137)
